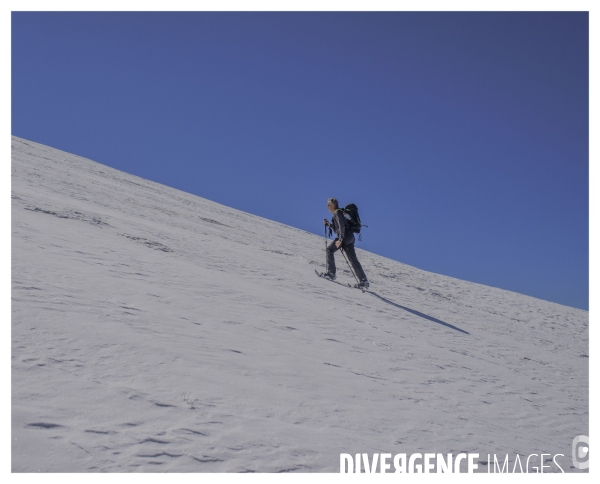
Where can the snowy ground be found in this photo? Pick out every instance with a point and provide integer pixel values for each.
(154, 330)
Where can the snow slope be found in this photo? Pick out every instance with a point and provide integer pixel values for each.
(154, 330)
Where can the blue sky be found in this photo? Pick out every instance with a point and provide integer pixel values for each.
(461, 136)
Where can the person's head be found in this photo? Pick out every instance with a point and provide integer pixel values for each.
(332, 204)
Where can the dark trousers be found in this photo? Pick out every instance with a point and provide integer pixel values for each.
(348, 247)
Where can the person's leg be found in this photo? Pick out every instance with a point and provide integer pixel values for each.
(351, 254)
(331, 249)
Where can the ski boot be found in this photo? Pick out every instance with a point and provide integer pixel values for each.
(329, 275)
(363, 285)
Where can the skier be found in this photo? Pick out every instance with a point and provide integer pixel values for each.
(345, 240)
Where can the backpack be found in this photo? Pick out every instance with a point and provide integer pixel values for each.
(353, 222)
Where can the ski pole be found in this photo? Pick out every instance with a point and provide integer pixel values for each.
(326, 265)
(347, 262)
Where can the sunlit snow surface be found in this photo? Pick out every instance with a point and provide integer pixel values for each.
(153, 330)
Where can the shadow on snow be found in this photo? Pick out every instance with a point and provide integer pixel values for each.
(417, 313)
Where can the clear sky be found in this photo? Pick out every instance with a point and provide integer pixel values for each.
(462, 137)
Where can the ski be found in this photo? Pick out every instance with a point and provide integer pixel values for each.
(357, 287)
(322, 276)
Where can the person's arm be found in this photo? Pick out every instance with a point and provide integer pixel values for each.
(341, 223)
